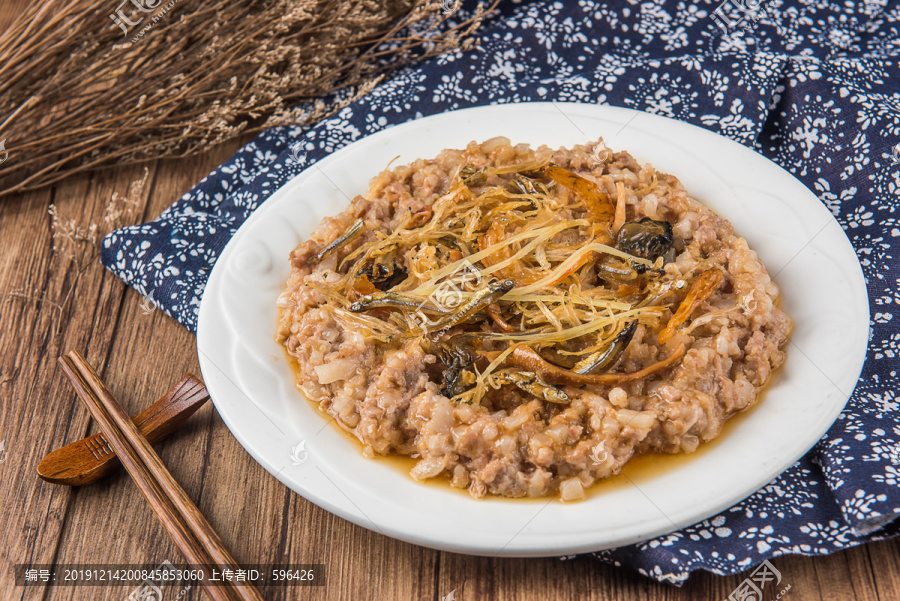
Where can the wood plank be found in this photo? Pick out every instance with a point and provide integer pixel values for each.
(884, 564)
(143, 355)
(846, 569)
(54, 299)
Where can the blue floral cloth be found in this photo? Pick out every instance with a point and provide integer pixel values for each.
(813, 84)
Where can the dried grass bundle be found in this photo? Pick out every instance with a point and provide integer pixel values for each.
(86, 84)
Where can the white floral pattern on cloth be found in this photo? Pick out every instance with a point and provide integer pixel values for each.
(811, 84)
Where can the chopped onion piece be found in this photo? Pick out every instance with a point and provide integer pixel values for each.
(339, 369)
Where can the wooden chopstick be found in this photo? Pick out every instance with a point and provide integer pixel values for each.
(189, 530)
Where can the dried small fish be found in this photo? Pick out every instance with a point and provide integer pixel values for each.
(395, 300)
(479, 301)
(657, 291)
(605, 358)
(525, 185)
(616, 271)
(351, 233)
(533, 385)
(471, 176)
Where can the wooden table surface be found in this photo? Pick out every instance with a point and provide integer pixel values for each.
(53, 300)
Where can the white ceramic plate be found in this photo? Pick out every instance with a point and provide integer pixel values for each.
(801, 244)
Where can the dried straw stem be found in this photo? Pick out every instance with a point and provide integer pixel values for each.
(77, 94)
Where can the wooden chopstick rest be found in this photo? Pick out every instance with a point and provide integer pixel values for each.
(89, 459)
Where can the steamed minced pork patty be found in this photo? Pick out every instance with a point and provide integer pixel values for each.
(524, 321)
